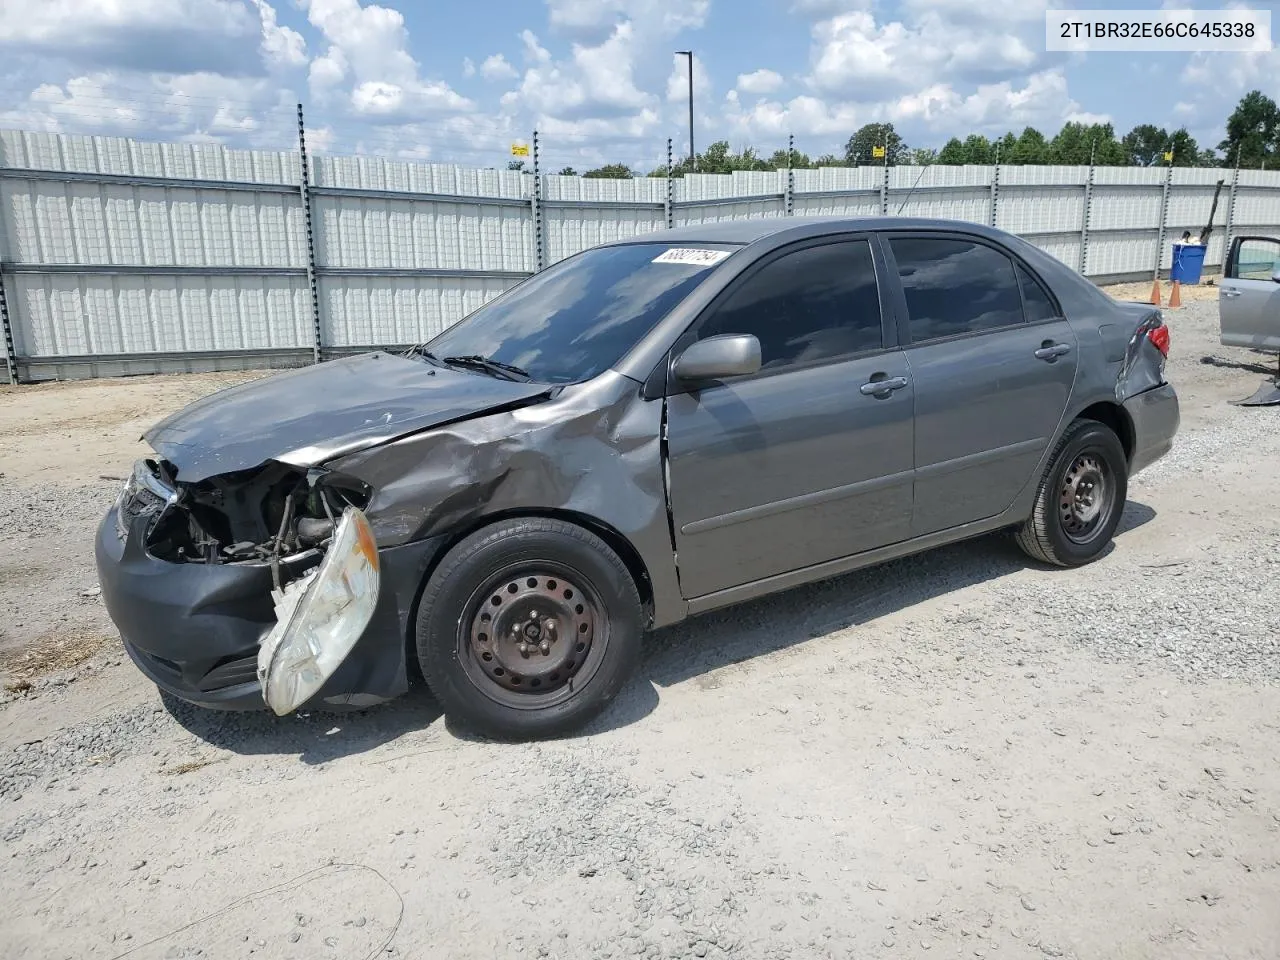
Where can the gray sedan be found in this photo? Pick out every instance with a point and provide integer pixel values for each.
(648, 430)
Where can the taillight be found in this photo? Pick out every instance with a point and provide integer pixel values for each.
(1160, 337)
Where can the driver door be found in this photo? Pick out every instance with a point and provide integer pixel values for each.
(811, 458)
(1249, 294)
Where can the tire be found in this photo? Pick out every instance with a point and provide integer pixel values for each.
(528, 629)
(1088, 452)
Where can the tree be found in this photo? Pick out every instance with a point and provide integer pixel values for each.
(610, 171)
(1030, 146)
(978, 149)
(515, 164)
(829, 160)
(923, 156)
(568, 172)
(1186, 152)
(953, 153)
(861, 146)
(796, 160)
(1145, 144)
(1078, 143)
(1253, 131)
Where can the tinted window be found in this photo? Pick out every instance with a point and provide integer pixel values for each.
(820, 303)
(577, 318)
(1035, 302)
(955, 286)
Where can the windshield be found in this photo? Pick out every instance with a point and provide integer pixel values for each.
(578, 317)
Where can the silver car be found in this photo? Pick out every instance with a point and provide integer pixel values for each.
(643, 432)
(1249, 304)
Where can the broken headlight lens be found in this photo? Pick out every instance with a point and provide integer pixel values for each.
(142, 493)
(320, 617)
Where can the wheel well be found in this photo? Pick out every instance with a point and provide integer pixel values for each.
(1112, 415)
(616, 541)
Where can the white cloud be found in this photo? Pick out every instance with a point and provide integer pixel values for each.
(368, 46)
(534, 51)
(599, 17)
(855, 55)
(932, 112)
(496, 67)
(759, 81)
(71, 23)
(254, 111)
(468, 67)
(829, 8)
(140, 35)
(280, 46)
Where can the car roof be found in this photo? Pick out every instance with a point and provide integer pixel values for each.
(757, 228)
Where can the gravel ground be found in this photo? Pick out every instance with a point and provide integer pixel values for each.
(959, 754)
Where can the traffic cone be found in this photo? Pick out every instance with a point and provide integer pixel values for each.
(1155, 292)
(1175, 298)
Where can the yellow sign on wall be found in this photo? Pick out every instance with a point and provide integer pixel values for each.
(1168, 156)
(877, 152)
(519, 149)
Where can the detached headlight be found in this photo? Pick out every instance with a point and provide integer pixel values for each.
(320, 617)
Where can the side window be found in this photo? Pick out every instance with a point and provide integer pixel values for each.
(955, 286)
(1257, 259)
(819, 303)
(1035, 302)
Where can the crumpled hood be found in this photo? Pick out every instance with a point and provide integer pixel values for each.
(312, 414)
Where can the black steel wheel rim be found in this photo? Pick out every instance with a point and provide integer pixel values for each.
(532, 634)
(1086, 497)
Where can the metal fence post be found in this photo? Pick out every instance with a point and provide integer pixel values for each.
(671, 191)
(539, 255)
(1084, 226)
(1164, 216)
(789, 201)
(304, 191)
(995, 187)
(1231, 214)
(884, 187)
(10, 354)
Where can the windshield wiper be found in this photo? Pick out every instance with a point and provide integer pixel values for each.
(421, 351)
(504, 370)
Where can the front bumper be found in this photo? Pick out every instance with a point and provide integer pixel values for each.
(1155, 417)
(194, 629)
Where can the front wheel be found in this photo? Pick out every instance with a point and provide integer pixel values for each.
(1080, 499)
(528, 628)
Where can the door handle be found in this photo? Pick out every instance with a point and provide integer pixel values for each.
(883, 386)
(1052, 351)
(1231, 294)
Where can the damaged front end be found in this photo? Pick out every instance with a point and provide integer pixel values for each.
(266, 578)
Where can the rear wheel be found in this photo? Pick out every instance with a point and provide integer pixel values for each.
(528, 628)
(1080, 498)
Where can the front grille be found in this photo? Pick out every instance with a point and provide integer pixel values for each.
(229, 673)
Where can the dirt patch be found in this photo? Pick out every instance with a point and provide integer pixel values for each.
(60, 650)
(1203, 291)
(78, 430)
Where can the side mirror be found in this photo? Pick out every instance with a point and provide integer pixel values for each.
(717, 358)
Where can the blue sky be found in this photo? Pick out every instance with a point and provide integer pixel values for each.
(598, 78)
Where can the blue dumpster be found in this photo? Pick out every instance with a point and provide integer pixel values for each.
(1188, 261)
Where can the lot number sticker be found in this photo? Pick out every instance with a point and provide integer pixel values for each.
(692, 257)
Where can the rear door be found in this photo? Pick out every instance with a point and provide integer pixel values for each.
(993, 361)
(809, 459)
(1249, 295)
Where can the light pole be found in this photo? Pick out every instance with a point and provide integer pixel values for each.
(692, 154)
